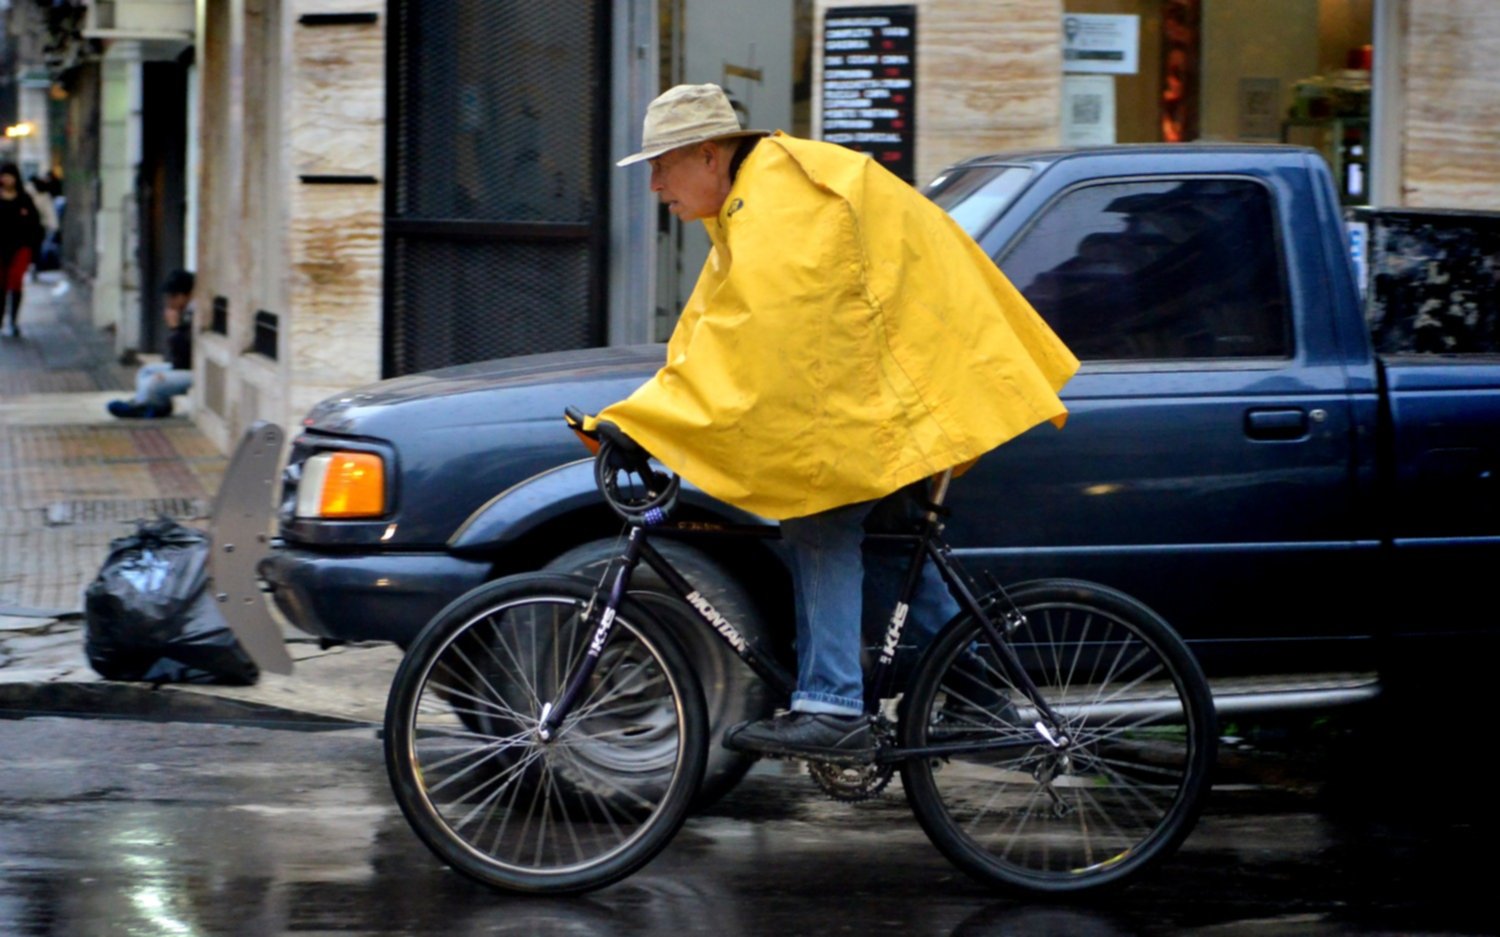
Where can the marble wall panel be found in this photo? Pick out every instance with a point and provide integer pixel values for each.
(220, 197)
(336, 119)
(259, 228)
(335, 126)
(334, 325)
(991, 73)
(1451, 130)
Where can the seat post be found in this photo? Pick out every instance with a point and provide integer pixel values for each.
(939, 491)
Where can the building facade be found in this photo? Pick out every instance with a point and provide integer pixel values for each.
(106, 89)
(385, 186)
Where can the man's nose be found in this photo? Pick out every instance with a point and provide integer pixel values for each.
(656, 185)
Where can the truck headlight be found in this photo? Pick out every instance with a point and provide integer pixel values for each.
(342, 484)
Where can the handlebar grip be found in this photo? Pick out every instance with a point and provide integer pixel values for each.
(577, 420)
(645, 499)
(625, 452)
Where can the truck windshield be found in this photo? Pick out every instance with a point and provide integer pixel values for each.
(977, 195)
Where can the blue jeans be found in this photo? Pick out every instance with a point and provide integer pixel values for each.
(835, 580)
(156, 384)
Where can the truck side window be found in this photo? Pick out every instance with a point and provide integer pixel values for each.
(1436, 281)
(1148, 270)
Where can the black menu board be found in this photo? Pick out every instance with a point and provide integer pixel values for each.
(869, 83)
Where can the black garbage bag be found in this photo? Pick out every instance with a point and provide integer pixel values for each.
(148, 615)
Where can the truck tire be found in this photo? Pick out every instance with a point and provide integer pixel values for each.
(731, 690)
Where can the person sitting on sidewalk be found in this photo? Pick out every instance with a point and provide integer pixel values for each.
(156, 384)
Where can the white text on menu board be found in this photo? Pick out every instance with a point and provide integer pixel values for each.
(853, 95)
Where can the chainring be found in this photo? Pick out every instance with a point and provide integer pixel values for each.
(850, 784)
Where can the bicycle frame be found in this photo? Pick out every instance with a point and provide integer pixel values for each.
(926, 542)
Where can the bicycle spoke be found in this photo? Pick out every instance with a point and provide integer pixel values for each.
(629, 795)
(587, 706)
(494, 705)
(1121, 785)
(500, 638)
(514, 777)
(502, 804)
(604, 807)
(491, 750)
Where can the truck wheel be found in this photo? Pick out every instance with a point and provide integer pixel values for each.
(731, 691)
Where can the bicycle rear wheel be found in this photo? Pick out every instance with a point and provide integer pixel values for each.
(492, 799)
(1119, 795)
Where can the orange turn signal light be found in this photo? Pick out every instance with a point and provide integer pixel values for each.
(342, 484)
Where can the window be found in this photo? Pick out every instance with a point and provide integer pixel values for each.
(976, 197)
(1157, 270)
(1287, 71)
(1435, 281)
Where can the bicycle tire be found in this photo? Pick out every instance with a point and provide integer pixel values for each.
(491, 799)
(1120, 796)
(732, 692)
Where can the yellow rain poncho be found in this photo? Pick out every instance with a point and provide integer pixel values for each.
(845, 338)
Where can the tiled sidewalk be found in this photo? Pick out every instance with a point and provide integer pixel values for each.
(72, 478)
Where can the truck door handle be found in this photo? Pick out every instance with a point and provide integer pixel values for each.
(1276, 424)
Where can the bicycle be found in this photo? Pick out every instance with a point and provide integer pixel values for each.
(545, 734)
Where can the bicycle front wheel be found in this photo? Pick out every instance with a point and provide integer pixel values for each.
(495, 801)
(1126, 779)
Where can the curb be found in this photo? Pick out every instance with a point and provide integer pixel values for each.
(155, 703)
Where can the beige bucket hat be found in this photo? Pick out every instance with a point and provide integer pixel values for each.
(688, 114)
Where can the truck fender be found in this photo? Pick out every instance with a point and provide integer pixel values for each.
(564, 489)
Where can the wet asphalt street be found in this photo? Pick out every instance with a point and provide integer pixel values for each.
(137, 828)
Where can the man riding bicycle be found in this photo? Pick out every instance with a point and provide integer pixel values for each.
(845, 340)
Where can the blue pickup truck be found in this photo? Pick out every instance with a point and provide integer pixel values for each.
(1286, 469)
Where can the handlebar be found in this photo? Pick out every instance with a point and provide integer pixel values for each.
(631, 484)
(577, 420)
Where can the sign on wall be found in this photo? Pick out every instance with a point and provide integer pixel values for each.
(869, 83)
(1097, 42)
(1260, 108)
(1088, 110)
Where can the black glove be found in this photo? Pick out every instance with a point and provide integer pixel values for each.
(624, 454)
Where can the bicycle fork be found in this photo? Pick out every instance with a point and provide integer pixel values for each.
(618, 577)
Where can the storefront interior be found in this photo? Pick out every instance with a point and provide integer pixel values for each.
(1267, 71)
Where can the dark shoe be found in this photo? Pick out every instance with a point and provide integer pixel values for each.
(127, 409)
(825, 737)
(132, 410)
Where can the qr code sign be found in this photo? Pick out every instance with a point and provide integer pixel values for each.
(1088, 108)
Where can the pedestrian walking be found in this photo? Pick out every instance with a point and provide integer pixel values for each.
(20, 237)
(43, 192)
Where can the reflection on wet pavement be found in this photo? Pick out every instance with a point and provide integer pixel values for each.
(141, 829)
